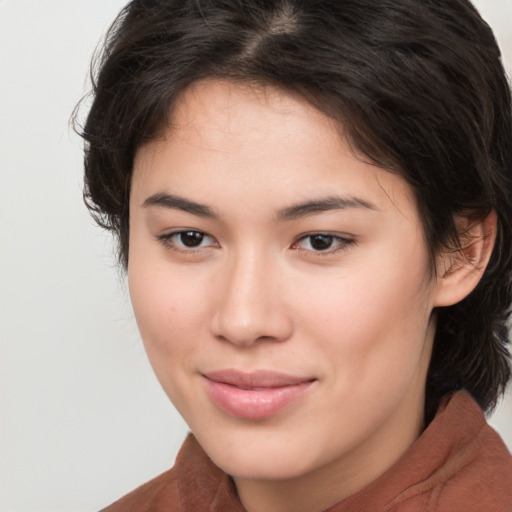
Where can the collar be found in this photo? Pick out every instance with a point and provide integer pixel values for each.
(452, 441)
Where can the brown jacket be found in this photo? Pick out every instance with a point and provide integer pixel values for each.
(459, 464)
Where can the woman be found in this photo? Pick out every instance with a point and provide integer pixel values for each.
(313, 205)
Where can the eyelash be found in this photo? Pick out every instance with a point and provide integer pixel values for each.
(342, 242)
(168, 241)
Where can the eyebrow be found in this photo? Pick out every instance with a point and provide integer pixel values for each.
(324, 204)
(170, 201)
(296, 211)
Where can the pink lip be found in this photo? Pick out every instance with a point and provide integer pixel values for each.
(255, 395)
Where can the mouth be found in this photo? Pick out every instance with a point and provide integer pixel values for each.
(256, 395)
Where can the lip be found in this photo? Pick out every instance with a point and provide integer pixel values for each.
(255, 395)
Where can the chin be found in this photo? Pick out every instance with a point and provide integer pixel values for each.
(259, 457)
(271, 467)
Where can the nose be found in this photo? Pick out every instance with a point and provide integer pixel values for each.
(250, 305)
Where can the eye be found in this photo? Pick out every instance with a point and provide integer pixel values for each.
(323, 243)
(187, 240)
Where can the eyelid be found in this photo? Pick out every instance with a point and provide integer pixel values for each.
(167, 241)
(343, 243)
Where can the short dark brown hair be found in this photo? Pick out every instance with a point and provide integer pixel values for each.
(417, 85)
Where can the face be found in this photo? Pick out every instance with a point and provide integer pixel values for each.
(281, 286)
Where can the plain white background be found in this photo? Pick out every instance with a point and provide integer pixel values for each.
(83, 420)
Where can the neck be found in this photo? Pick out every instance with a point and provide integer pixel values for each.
(323, 487)
(352, 470)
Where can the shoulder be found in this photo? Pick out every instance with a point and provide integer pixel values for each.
(480, 474)
(158, 494)
(458, 464)
(193, 484)
(474, 469)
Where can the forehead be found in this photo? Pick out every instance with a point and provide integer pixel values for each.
(259, 139)
(219, 107)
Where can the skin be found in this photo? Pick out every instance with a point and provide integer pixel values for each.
(355, 318)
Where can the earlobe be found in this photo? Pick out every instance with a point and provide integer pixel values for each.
(460, 270)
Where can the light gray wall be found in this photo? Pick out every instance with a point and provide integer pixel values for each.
(83, 420)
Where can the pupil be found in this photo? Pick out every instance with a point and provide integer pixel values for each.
(191, 238)
(321, 242)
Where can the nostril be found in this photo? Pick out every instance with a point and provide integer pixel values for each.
(248, 306)
(259, 327)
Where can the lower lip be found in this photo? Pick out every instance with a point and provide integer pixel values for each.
(258, 403)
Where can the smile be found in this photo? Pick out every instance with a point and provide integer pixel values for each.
(255, 395)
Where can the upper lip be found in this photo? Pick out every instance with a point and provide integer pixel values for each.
(256, 379)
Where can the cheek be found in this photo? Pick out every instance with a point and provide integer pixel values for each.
(371, 322)
(171, 324)
(167, 307)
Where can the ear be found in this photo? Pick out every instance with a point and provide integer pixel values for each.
(460, 271)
